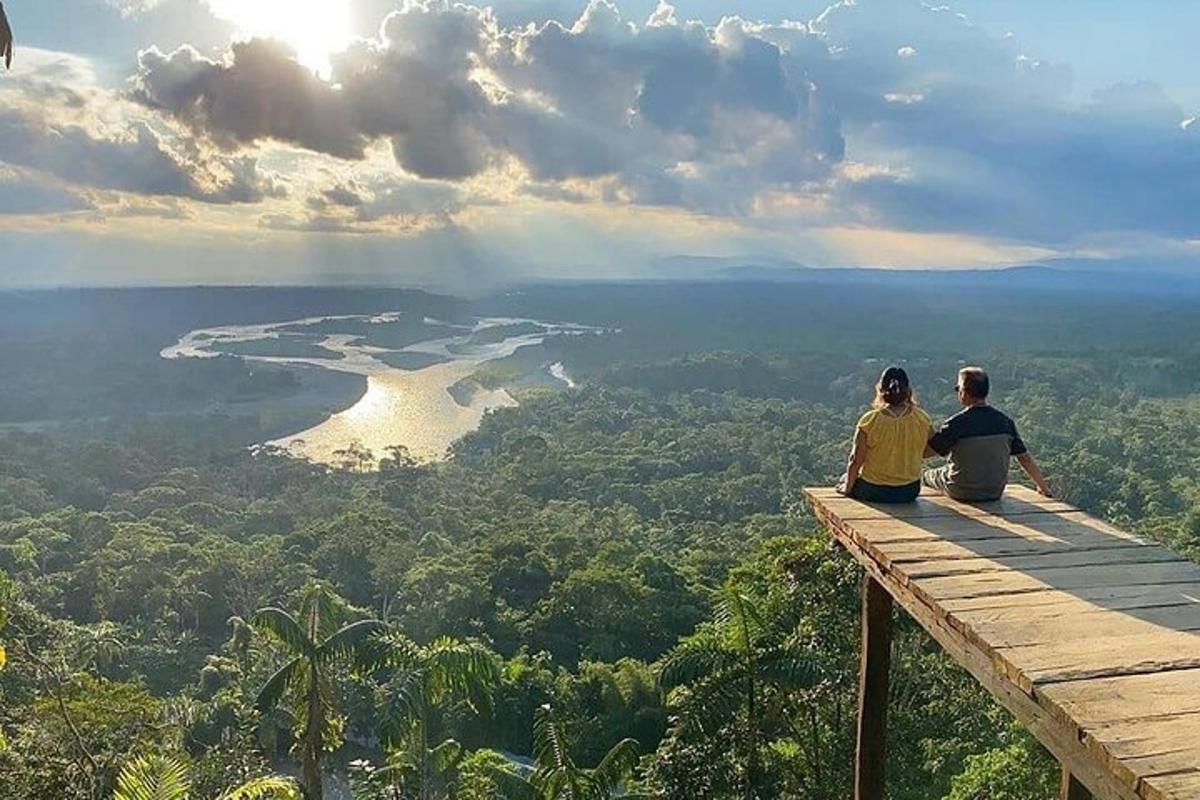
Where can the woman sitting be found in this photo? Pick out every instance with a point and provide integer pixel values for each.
(889, 443)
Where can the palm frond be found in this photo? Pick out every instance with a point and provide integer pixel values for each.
(272, 787)
(710, 703)
(511, 786)
(694, 659)
(404, 702)
(286, 629)
(550, 746)
(322, 612)
(463, 670)
(446, 755)
(615, 767)
(350, 640)
(788, 669)
(740, 617)
(277, 686)
(153, 778)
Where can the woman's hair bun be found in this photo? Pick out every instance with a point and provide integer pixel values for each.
(894, 386)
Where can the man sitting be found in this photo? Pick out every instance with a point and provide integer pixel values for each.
(980, 441)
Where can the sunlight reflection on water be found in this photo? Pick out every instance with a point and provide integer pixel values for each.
(410, 407)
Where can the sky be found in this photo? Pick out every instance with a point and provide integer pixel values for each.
(463, 147)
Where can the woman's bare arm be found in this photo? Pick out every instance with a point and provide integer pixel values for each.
(858, 457)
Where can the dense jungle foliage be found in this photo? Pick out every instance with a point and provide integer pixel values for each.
(577, 603)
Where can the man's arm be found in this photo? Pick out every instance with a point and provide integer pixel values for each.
(1035, 474)
(942, 440)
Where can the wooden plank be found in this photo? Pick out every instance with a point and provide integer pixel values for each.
(1077, 659)
(1046, 530)
(1031, 563)
(1139, 750)
(1092, 703)
(1015, 502)
(1114, 598)
(1068, 618)
(1175, 786)
(871, 754)
(1002, 629)
(1001, 547)
(1068, 579)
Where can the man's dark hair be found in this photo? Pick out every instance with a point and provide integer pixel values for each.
(974, 382)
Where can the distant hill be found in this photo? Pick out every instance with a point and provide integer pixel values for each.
(1142, 276)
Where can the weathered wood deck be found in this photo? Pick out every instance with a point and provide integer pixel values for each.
(1087, 634)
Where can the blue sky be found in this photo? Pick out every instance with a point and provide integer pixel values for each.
(167, 141)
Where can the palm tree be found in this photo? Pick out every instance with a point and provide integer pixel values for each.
(318, 642)
(722, 677)
(426, 682)
(556, 776)
(166, 778)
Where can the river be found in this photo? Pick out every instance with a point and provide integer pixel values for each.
(411, 407)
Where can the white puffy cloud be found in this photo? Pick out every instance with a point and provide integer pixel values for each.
(663, 110)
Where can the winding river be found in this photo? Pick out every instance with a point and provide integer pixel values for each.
(424, 409)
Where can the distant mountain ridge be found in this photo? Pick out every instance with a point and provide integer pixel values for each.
(1092, 275)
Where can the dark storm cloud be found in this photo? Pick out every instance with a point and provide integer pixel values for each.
(261, 93)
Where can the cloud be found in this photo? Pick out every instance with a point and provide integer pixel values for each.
(133, 8)
(398, 205)
(22, 193)
(58, 122)
(261, 92)
(893, 115)
(664, 110)
(977, 136)
(348, 194)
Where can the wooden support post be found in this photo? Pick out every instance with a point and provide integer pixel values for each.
(873, 691)
(1072, 789)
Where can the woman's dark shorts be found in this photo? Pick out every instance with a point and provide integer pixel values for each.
(875, 493)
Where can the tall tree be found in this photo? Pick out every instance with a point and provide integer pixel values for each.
(424, 684)
(318, 641)
(556, 775)
(726, 677)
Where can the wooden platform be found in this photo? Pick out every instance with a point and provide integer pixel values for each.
(1087, 634)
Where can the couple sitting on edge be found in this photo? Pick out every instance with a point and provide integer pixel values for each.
(896, 435)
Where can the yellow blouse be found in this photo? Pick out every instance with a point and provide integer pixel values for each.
(895, 446)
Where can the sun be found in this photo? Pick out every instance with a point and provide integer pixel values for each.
(315, 28)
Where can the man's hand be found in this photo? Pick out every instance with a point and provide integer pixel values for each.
(1035, 474)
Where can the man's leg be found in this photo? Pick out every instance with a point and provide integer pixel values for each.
(936, 479)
